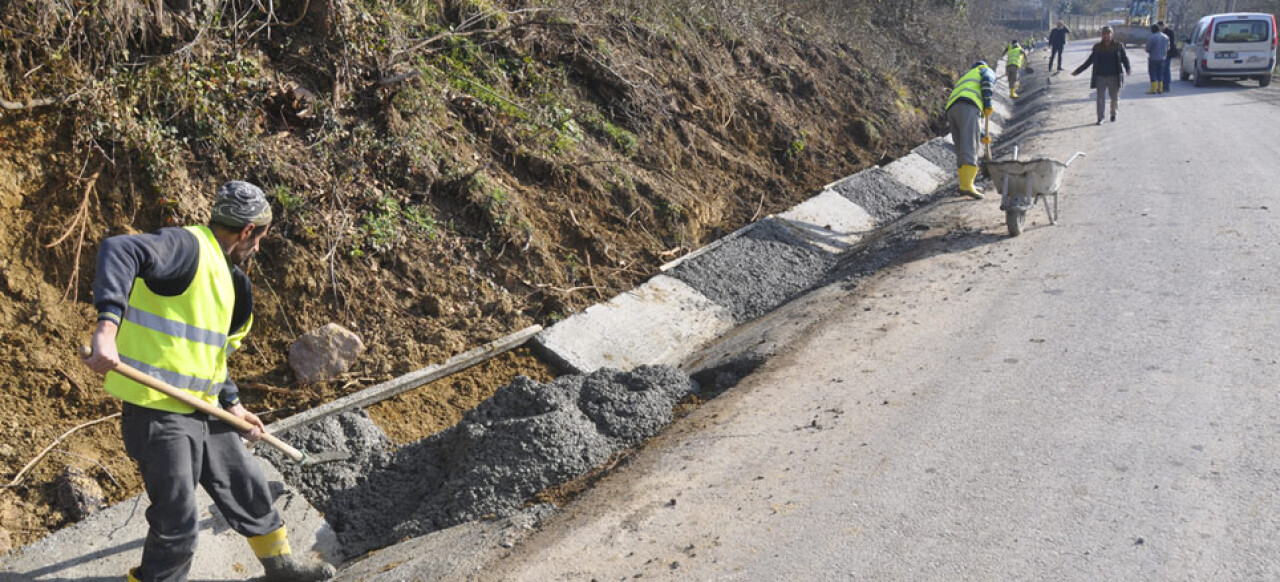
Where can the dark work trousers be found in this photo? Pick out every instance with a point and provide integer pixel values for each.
(1056, 51)
(175, 452)
(965, 120)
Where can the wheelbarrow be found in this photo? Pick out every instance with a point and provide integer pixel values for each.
(1021, 183)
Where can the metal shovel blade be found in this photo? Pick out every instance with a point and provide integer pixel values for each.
(310, 459)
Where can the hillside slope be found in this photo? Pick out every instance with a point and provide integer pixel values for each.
(443, 171)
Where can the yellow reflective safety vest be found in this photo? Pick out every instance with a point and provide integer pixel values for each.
(968, 87)
(182, 340)
(1013, 58)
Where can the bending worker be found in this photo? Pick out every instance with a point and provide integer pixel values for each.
(174, 304)
(970, 102)
(1013, 65)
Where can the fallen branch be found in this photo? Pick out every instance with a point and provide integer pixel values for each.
(30, 104)
(462, 30)
(260, 387)
(94, 461)
(18, 478)
(79, 222)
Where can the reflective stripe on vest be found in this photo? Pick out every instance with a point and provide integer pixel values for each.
(182, 339)
(969, 87)
(1013, 58)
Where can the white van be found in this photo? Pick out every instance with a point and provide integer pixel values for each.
(1240, 45)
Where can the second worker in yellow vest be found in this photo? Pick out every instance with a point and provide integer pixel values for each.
(1014, 57)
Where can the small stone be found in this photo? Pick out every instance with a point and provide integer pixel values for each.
(324, 353)
(78, 494)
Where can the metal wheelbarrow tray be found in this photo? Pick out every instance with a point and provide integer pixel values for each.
(1022, 182)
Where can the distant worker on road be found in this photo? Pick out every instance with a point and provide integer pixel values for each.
(173, 304)
(970, 101)
(1174, 53)
(1110, 65)
(1157, 52)
(1014, 57)
(1057, 42)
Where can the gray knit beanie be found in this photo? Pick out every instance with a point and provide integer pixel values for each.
(239, 204)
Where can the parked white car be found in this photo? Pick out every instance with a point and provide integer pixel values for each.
(1239, 45)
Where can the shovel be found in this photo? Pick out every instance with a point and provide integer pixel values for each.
(299, 457)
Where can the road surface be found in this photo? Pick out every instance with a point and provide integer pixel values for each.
(1095, 400)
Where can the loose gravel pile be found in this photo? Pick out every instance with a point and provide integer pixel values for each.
(938, 151)
(526, 438)
(880, 194)
(754, 273)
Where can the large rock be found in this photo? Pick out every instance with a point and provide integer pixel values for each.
(79, 495)
(324, 353)
(6, 543)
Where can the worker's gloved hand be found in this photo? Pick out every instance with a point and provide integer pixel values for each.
(987, 112)
(986, 139)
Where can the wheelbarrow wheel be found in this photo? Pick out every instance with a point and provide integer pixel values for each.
(1016, 219)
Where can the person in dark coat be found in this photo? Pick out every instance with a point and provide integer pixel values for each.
(1057, 41)
(1174, 53)
(1110, 65)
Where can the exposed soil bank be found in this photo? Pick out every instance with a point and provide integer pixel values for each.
(528, 437)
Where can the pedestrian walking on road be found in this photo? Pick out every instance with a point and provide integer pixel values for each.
(1110, 65)
(1173, 53)
(969, 103)
(1157, 52)
(174, 304)
(1013, 65)
(1056, 42)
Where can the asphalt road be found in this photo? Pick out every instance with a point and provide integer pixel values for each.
(1095, 400)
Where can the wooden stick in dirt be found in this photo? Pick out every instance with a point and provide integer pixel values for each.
(18, 478)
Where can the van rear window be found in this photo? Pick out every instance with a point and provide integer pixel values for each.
(1242, 31)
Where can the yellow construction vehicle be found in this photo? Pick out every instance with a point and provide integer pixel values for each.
(1140, 15)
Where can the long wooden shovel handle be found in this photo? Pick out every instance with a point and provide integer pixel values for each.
(986, 132)
(215, 411)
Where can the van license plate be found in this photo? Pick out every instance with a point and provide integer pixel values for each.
(1224, 55)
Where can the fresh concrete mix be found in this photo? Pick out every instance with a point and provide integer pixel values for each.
(938, 151)
(758, 271)
(526, 438)
(880, 194)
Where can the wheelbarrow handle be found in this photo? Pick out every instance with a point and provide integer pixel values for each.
(1073, 158)
(215, 411)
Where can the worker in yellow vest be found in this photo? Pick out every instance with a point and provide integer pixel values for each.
(1014, 58)
(174, 304)
(969, 103)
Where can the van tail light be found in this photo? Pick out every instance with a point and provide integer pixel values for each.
(1208, 34)
(1274, 38)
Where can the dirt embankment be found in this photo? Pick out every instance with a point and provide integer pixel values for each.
(444, 172)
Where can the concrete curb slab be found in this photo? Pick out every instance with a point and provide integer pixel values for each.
(108, 543)
(830, 221)
(918, 173)
(659, 322)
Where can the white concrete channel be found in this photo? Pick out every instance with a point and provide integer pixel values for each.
(669, 318)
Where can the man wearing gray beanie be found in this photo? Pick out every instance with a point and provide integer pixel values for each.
(174, 304)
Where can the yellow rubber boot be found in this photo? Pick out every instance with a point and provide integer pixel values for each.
(1153, 89)
(130, 577)
(967, 176)
(273, 551)
(1160, 87)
